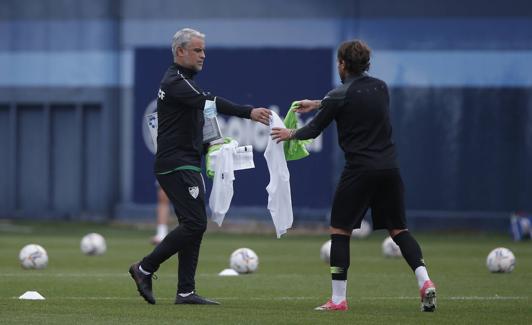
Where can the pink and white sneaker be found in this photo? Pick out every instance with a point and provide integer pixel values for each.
(156, 240)
(329, 305)
(428, 296)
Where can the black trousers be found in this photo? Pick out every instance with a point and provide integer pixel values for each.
(186, 191)
(380, 190)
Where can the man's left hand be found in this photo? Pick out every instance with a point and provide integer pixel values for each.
(261, 115)
(281, 134)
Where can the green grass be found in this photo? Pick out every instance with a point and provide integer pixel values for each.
(290, 282)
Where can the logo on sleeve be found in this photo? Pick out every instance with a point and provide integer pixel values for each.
(194, 191)
(161, 94)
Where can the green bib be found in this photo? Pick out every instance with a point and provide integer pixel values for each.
(294, 149)
(211, 149)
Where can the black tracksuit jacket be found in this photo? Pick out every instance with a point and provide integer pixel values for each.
(360, 107)
(180, 106)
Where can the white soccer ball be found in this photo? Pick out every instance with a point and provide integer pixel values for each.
(33, 256)
(325, 251)
(390, 248)
(244, 260)
(363, 231)
(93, 244)
(500, 260)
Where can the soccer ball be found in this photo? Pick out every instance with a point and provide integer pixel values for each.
(500, 260)
(33, 256)
(325, 251)
(244, 260)
(93, 244)
(363, 231)
(390, 248)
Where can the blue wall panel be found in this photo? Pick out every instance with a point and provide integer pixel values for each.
(32, 185)
(4, 157)
(260, 77)
(94, 199)
(465, 149)
(66, 159)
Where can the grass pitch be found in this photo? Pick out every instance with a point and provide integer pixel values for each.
(290, 282)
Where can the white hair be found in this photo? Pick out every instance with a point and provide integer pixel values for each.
(182, 37)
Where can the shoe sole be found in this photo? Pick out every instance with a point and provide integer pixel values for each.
(322, 308)
(203, 301)
(327, 309)
(429, 300)
(138, 288)
(197, 303)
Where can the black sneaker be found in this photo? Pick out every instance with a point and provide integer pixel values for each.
(194, 299)
(143, 283)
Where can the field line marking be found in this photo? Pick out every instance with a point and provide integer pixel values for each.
(472, 298)
(33, 273)
(72, 275)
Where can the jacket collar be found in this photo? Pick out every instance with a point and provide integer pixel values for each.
(186, 72)
(350, 78)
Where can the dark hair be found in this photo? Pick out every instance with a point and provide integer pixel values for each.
(355, 54)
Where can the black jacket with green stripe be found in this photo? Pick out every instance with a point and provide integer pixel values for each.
(180, 104)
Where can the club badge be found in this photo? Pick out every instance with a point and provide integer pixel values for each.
(194, 191)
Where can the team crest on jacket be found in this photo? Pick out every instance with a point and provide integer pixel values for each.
(194, 191)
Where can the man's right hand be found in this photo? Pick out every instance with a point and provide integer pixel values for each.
(307, 105)
(261, 115)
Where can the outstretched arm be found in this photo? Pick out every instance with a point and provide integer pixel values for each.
(314, 127)
(259, 114)
(307, 105)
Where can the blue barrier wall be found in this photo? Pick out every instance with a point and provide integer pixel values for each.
(458, 73)
(465, 149)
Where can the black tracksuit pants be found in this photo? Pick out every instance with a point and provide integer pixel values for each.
(186, 191)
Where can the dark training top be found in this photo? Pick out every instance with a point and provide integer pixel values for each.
(360, 107)
(180, 104)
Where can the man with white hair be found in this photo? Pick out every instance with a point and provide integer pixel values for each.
(181, 109)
